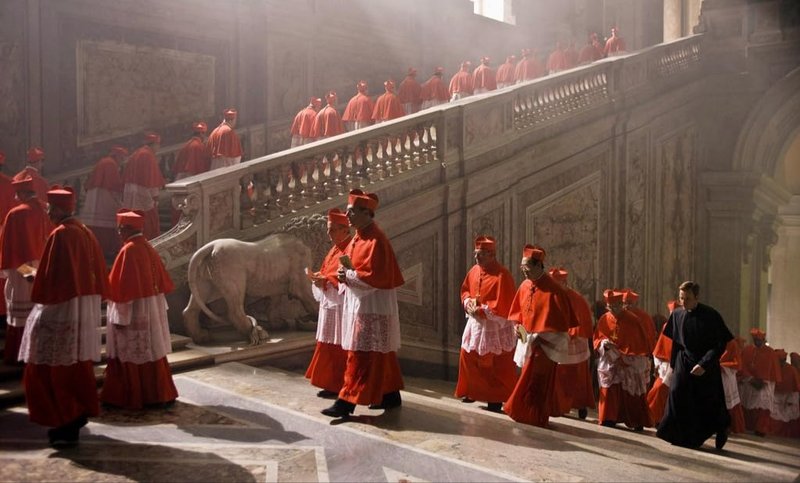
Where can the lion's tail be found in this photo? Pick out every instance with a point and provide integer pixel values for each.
(195, 263)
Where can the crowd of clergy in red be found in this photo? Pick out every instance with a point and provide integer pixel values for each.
(55, 278)
(315, 122)
(533, 350)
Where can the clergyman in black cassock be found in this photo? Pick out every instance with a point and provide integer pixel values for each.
(696, 405)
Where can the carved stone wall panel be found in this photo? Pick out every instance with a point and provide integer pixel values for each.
(125, 89)
(636, 222)
(488, 219)
(13, 126)
(288, 77)
(419, 302)
(221, 212)
(566, 223)
(673, 213)
(483, 124)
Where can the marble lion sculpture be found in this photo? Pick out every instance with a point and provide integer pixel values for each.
(231, 269)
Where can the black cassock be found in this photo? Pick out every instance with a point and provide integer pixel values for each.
(696, 405)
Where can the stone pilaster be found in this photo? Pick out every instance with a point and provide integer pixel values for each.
(784, 297)
(736, 232)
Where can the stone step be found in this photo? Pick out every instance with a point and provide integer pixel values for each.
(187, 355)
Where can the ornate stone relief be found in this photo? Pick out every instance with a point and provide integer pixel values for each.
(419, 319)
(124, 89)
(288, 74)
(12, 101)
(220, 212)
(483, 124)
(636, 171)
(673, 212)
(566, 224)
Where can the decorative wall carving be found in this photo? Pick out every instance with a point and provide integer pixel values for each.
(12, 101)
(419, 320)
(673, 208)
(484, 124)
(288, 76)
(124, 89)
(566, 223)
(636, 176)
(220, 211)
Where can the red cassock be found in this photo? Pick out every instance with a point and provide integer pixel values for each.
(541, 306)
(327, 366)
(142, 180)
(528, 68)
(22, 240)
(556, 62)
(731, 363)
(461, 83)
(505, 73)
(759, 363)
(193, 158)
(40, 185)
(490, 376)
(614, 45)
(570, 58)
(574, 381)
(224, 142)
(434, 90)
(303, 123)
(627, 332)
(103, 198)
(786, 423)
(484, 79)
(590, 53)
(387, 107)
(72, 266)
(359, 109)
(372, 374)
(134, 377)
(659, 393)
(7, 201)
(410, 94)
(328, 123)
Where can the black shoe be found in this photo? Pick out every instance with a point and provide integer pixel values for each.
(760, 434)
(64, 436)
(467, 400)
(390, 401)
(638, 429)
(327, 394)
(609, 424)
(721, 439)
(494, 407)
(340, 409)
(582, 413)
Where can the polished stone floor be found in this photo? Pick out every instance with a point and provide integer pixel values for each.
(235, 422)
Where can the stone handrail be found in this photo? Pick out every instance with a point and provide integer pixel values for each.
(166, 155)
(255, 198)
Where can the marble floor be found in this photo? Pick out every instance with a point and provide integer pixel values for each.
(234, 422)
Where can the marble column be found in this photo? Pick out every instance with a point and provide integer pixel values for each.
(783, 315)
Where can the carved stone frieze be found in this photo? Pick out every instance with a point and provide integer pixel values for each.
(566, 225)
(419, 320)
(483, 124)
(220, 211)
(673, 207)
(12, 101)
(636, 175)
(124, 89)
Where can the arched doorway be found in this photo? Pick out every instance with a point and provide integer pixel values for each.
(769, 145)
